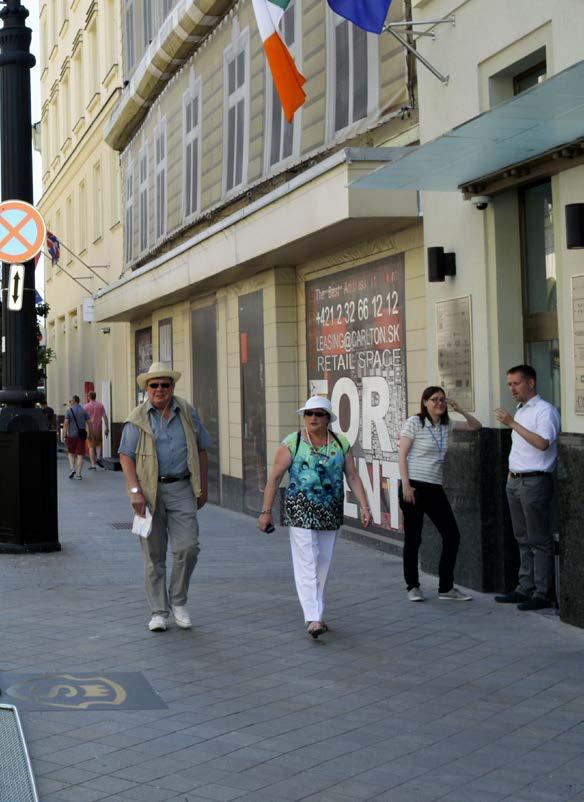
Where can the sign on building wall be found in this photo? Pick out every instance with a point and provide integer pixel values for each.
(578, 334)
(454, 343)
(355, 343)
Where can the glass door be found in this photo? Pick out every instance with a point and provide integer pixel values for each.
(205, 390)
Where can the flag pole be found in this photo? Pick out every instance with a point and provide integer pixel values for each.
(66, 272)
(83, 263)
(416, 54)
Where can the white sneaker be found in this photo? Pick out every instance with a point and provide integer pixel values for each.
(157, 624)
(181, 617)
(415, 595)
(454, 595)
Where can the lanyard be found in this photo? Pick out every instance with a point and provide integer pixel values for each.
(439, 445)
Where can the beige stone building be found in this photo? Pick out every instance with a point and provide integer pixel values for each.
(238, 227)
(81, 79)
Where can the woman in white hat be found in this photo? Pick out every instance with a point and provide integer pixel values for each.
(317, 460)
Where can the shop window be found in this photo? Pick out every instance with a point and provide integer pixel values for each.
(192, 139)
(165, 343)
(282, 141)
(236, 113)
(353, 73)
(143, 194)
(160, 149)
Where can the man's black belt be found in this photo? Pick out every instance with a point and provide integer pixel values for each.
(168, 480)
(528, 473)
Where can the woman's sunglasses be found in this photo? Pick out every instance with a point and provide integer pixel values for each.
(316, 412)
(156, 385)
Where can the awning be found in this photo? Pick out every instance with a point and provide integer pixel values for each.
(548, 116)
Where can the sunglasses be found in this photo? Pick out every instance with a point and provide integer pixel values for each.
(156, 385)
(316, 412)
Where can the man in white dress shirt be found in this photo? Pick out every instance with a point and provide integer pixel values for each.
(530, 488)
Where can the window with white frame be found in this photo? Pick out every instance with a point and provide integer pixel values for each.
(283, 138)
(129, 216)
(148, 21)
(130, 50)
(160, 149)
(143, 193)
(165, 342)
(353, 73)
(192, 139)
(97, 202)
(82, 216)
(69, 228)
(236, 113)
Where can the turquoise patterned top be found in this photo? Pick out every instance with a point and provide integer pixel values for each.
(315, 494)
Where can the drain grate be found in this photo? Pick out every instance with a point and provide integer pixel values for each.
(121, 525)
(16, 779)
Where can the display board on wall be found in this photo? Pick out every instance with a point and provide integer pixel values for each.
(454, 343)
(356, 354)
(578, 337)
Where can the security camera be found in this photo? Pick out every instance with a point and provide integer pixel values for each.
(105, 330)
(480, 201)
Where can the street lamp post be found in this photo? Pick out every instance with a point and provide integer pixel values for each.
(28, 481)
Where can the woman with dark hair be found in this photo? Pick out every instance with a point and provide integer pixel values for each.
(317, 460)
(422, 449)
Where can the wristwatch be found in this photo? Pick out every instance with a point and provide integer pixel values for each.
(135, 490)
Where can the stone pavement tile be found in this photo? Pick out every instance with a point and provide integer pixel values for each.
(70, 774)
(149, 792)
(299, 786)
(356, 789)
(220, 793)
(75, 793)
(46, 787)
(113, 761)
(110, 785)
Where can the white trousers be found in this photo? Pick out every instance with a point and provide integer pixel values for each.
(312, 553)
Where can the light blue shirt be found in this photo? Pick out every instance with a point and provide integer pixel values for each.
(171, 441)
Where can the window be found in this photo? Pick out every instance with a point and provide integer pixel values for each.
(160, 179)
(353, 73)
(92, 61)
(70, 242)
(82, 217)
(530, 77)
(148, 20)
(79, 82)
(167, 6)
(282, 138)
(97, 202)
(236, 114)
(130, 52)
(165, 342)
(192, 139)
(143, 192)
(129, 228)
(114, 188)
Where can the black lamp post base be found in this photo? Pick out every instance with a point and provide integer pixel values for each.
(28, 501)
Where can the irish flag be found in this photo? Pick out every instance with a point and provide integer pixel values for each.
(287, 80)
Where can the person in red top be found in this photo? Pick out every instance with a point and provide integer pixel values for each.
(97, 413)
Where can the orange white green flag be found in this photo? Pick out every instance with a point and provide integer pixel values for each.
(287, 79)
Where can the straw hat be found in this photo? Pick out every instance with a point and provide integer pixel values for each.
(157, 370)
(319, 402)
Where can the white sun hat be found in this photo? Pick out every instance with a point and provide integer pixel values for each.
(319, 402)
(157, 370)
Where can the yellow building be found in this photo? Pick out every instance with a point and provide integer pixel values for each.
(81, 80)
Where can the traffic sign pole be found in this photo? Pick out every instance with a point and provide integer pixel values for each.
(28, 501)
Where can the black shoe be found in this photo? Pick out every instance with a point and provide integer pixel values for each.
(100, 463)
(512, 598)
(534, 604)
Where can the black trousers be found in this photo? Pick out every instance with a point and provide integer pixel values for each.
(431, 501)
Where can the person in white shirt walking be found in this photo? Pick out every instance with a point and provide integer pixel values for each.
(532, 461)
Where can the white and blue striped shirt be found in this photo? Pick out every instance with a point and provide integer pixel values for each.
(428, 450)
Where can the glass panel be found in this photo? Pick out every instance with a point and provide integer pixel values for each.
(544, 356)
(195, 107)
(231, 77)
(288, 140)
(288, 23)
(240, 68)
(230, 147)
(539, 250)
(239, 153)
(205, 388)
(342, 76)
(359, 73)
(188, 180)
(188, 117)
(195, 178)
(276, 127)
(529, 78)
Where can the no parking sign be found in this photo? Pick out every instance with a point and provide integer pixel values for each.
(22, 231)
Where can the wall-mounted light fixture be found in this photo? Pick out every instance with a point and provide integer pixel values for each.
(574, 225)
(440, 264)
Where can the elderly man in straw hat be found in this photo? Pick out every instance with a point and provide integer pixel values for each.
(163, 456)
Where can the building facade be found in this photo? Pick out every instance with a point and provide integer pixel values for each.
(500, 160)
(251, 265)
(81, 80)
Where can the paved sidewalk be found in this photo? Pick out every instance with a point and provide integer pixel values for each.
(400, 702)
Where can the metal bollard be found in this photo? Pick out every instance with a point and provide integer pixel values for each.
(556, 537)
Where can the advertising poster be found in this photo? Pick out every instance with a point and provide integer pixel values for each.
(355, 329)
